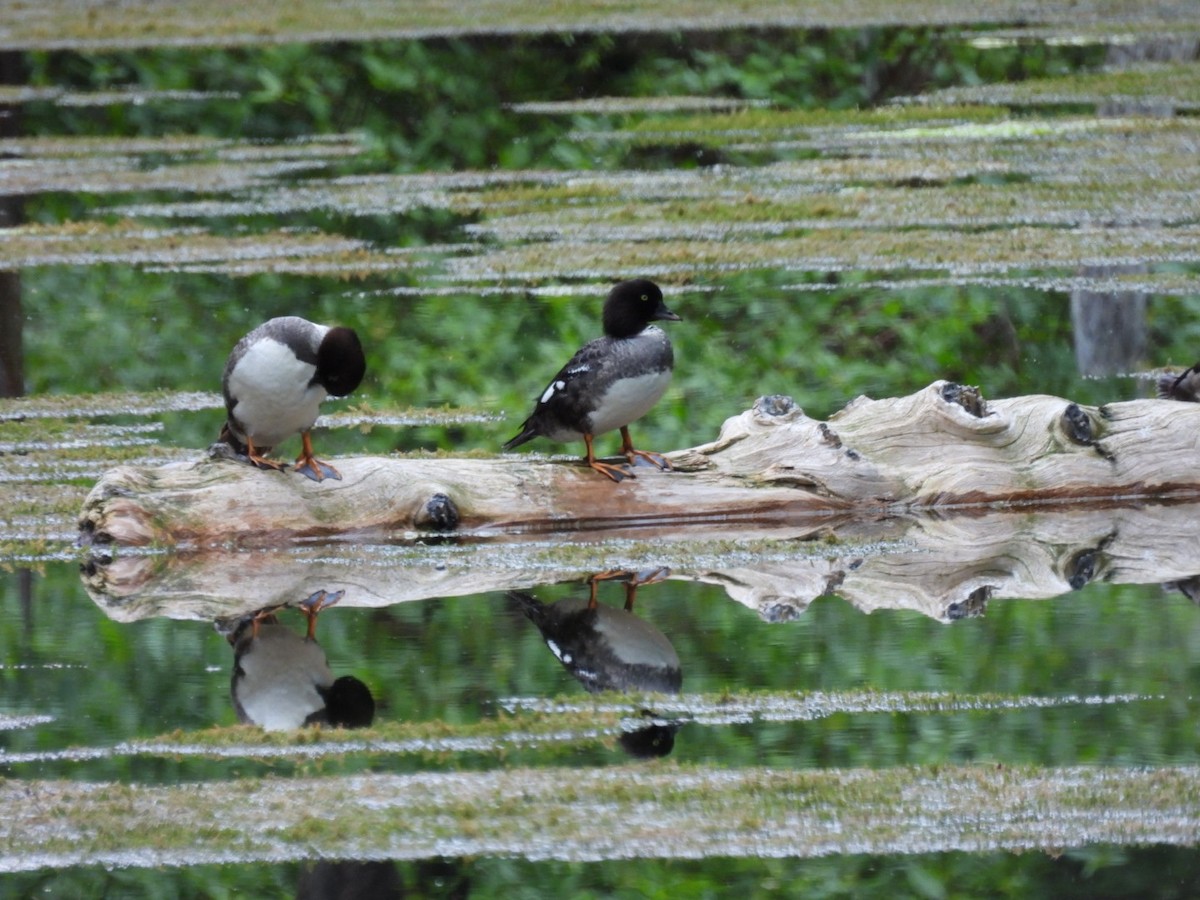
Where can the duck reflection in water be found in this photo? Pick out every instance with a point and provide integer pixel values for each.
(608, 649)
(281, 681)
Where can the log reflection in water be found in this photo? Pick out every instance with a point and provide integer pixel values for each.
(943, 568)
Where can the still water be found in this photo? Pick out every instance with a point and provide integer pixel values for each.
(910, 708)
(86, 681)
(1101, 677)
(770, 656)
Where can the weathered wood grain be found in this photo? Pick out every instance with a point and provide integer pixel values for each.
(943, 448)
(935, 503)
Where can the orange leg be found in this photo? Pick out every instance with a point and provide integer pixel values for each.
(261, 461)
(638, 580)
(312, 606)
(307, 464)
(633, 581)
(594, 580)
(655, 459)
(616, 473)
(263, 615)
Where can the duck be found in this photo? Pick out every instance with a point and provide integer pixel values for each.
(282, 681)
(274, 382)
(609, 649)
(604, 648)
(1184, 386)
(611, 381)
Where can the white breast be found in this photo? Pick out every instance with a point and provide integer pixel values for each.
(278, 691)
(628, 399)
(274, 398)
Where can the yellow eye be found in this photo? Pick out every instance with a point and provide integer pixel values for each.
(645, 297)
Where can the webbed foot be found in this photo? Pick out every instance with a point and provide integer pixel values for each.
(312, 605)
(309, 465)
(255, 455)
(316, 469)
(616, 473)
(633, 455)
(645, 457)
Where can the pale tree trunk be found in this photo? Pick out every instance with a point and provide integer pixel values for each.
(12, 319)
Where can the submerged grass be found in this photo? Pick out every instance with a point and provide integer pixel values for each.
(34, 417)
(328, 807)
(901, 189)
(986, 252)
(190, 22)
(662, 810)
(90, 406)
(556, 722)
(1176, 85)
(771, 123)
(93, 243)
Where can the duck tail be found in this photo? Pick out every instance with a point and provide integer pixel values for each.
(527, 434)
(1164, 386)
(530, 605)
(228, 437)
(1178, 387)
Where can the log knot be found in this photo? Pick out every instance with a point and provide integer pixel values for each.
(968, 397)
(777, 406)
(1079, 428)
(438, 514)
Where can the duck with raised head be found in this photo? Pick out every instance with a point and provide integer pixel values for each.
(604, 648)
(609, 649)
(274, 382)
(611, 381)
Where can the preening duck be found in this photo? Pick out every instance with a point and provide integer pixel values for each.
(274, 382)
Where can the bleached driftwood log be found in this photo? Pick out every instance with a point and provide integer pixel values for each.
(941, 449)
(946, 568)
(937, 501)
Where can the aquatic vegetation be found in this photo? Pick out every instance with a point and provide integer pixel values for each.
(259, 22)
(676, 813)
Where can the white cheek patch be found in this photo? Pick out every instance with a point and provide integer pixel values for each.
(549, 392)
